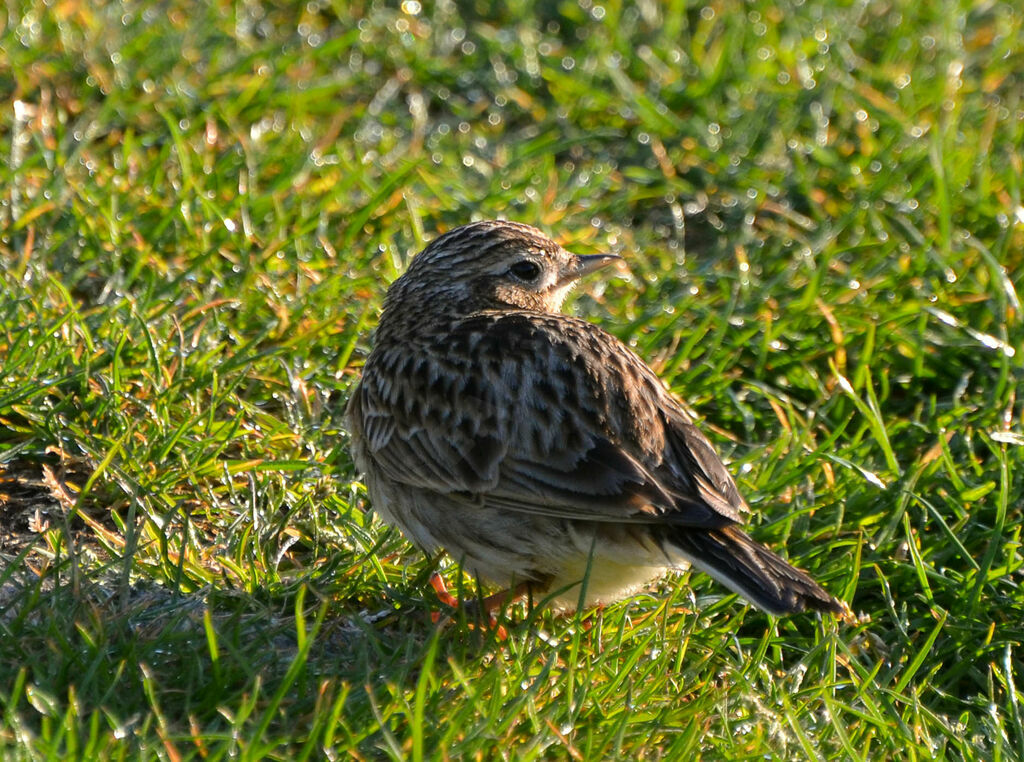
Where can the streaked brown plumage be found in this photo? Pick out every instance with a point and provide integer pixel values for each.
(526, 442)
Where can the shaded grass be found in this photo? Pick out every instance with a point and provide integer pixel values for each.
(201, 208)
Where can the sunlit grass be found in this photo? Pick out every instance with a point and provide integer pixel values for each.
(200, 210)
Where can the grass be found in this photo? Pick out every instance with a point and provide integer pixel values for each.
(200, 209)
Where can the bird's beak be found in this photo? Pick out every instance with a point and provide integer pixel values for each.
(584, 265)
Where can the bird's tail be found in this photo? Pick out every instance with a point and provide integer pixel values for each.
(746, 567)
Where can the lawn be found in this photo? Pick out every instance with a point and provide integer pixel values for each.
(201, 207)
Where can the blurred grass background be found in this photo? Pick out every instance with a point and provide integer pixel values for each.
(201, 206)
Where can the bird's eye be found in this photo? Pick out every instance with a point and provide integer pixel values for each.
(525, 270)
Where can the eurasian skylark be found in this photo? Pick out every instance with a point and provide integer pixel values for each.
(536, 448)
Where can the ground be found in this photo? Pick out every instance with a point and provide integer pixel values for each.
(201, 207)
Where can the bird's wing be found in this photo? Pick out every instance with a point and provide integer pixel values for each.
(541, 414)
(426, 425)
(693, 463)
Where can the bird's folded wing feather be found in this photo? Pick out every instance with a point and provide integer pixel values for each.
(545, 420)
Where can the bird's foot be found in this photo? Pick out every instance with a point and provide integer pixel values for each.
(489, 605)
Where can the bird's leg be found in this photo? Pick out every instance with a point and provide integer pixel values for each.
(589, 622)
(437, 582)
(488, 605)
(497, 601)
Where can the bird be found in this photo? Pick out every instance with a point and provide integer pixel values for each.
(538, 450)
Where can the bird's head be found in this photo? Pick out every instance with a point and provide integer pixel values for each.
(493, 265)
